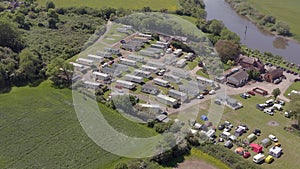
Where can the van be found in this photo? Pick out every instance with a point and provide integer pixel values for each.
(258, 158)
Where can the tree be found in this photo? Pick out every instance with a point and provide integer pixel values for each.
(276, 92)
(53, 19)
(269, 19)
(121, 165)
(50, 5)
(216, 27)
(227, 50)
(60, 72)
(146, 9)
(294, 106)
(228, 35)
(283, 29)
(19, 18)
(254, 74)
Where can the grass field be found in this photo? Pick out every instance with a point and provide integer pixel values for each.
(294, 86)
(39, 129)
(254, 118)
(171, 5)
(287, 11)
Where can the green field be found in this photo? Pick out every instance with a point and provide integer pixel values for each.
(254, 118)
(287, 11)
(39, 129)
(294, 86)
(171, 5)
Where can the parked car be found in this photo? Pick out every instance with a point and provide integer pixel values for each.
(246, 154)
(257, 132)
(261, 107)
(161, 72)
(273, 138)
(251, 93)
(269, 111)
(227, 129)
(245, 126)
(221, 127)
(212, 92)
(281, 102)
(243, 96)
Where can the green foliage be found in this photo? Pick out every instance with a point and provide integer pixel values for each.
(216, 27)
(181, 45)
(226, 34)
(294, 106)
(50, 5)
(227, 50)
(283, 28)
(121, 165)
(254, 74)
(276, 92)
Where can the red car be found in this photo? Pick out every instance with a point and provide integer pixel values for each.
(251, 92)
(246, 154)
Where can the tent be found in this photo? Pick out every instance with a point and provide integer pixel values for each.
(266, 142)
(204, 118)
(239, 150)
(256, 147)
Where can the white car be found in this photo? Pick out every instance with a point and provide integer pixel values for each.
(273, 138)
(269, 111)
(212, 92)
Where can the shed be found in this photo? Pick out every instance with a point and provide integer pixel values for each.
(256, 147)
(266, 142)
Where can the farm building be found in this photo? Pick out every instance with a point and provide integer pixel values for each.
(171, 78)
(128, 62)
(112, 51)
(256, 147)
(166, 100)
(91, 85)
(149, 54)
(181, 73)
(178, 95)
(273, 74)
(177, 52)
(181, 63)
(101, 76)
(190, 56)
(125, 84)
(250, 63)
(161, 82)
(204, 81)
(136, 58)
(150, 89)
(95, 58)
(83, 61)
(132, 78)
(266, 142)
(142, 73)
(156, 64)
(104, 54)
(238, 79)
(275, 151)
(150, 69)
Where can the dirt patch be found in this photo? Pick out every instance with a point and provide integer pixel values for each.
(273, 123)
(195, 164)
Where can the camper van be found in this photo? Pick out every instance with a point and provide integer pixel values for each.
(258, 158)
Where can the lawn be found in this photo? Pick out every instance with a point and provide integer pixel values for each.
(294, 86)
(257, 119)
(286, 11)
(171, 5)
(39, 129)
(200, 73)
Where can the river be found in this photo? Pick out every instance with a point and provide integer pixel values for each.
(255, 38)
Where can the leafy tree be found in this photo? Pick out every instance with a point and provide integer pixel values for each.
(254, 74)
(50, 5)
(19, 18)
(60, 72)
(29, 66)
(121, 165)
(269, 19)
(294, 106)
(230, 63)
(228, 35)
(283, 29)
(276, 92)
(227, 50)
(53, 18)
(216, 27)
(146, 9)
(2, 7)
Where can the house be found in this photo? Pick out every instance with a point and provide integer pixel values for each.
(133, 78)
(150, 89)
(256, 147)
(275, 151)
(161, 82)
(171, 78)
(250, 63)
(128, 62)
(178, 95)
(125, 84)
(142, 73)
(181, 63)
(238, 79)
(166, 100)
(266, 142)
(273, 74)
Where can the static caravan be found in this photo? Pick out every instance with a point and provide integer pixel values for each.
(178, 95)
(104, 54)
(77, 66)
(125, 84)
(156, 64)
(84, 61)
(149, 54)
(112, 51)
(190, 57)
(128, 62)
(181, 63)
(132, 78)
(177, 52)
(181, 73)
(149, 107)
(150, 89)
(122, 30)
(136, 58)
(204, 81)
(95, 58)
(150, 69)
(258, 158)
(162, 43)
(142, 73)
(91, 85)
(101, 76)
(158, 46)
(171, 78)
(166, 100)
(140, 39)
(145, 35)
(161, 82)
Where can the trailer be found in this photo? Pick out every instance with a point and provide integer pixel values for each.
(104, 54)
(171, 78)
(84, 61)
(181, 63)
(178, 95)
(161, 82)
(91, 85)
(128, 62)
(150, 69)
(101, 76)
(136, 58)
(125, 84)
(156, 64)
(142, 73)
(95, 58)
(177, 52)
(166, 100)
(158, 46)
(132, 78)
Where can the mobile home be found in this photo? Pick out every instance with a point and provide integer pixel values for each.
(101, 76)
(136, 58)
(178, 95)
(181, 63)
(84, 61)
(150, 89)
(190, 56)
(166, 100)
(95, 58)
(128, 62)
(204, 81)
(177, 52)
(132, 78)
(104, 54)
(171, 78)
(156, 64)
(149, 54)
(161, 82)
(158, 46)
(112, 51)
(125, 84)
(150, 69)
(142, 73)
(91, 85)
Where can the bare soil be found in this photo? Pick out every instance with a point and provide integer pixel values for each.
(195, 164)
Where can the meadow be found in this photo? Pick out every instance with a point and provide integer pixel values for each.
(39, 129)
(171, 5)
(286, 11)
